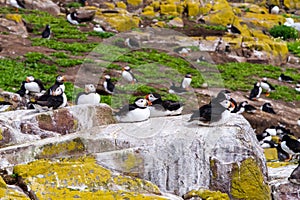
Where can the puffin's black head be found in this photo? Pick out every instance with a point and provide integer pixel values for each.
(224, 94)
(268, 105)
(286, 137)
(141, 102)
(188, 76)
(60, 79)
(126, 68)
(153, 97)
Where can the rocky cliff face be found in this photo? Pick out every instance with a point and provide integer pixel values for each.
(175, 155)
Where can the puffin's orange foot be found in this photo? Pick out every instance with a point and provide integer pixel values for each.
(267, 94)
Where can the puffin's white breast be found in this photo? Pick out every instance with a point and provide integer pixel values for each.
(127, 76)
(135, 115)
(32, 87)
(91, 98)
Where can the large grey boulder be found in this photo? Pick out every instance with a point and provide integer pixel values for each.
(170, 152)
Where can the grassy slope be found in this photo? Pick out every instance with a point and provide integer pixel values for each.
(151, 66)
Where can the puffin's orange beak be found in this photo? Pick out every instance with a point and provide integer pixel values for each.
(232, 105)
(147, 97)
(64, 78)
(123, 68)
(149, 103)
(27, 80)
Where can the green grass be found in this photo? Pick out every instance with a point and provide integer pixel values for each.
(294, 47)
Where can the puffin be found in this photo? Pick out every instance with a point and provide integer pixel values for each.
(108, 85)
(47, 32)
(59, 82)
(131, 43)
(89, 96)
(265, 85)
(232, 29)
(136, 112)
(255, 92)
(161, 108)
(267, 107)
(184, 85)
(72, 18)
(273, 9)
(128, 75)
(17, 4)
(31, 85)
(56, 100)
(183, 51)
(297, 88)
(290, 145)
(285, 78)
(98, 28)
(216, 111)
(244, 107)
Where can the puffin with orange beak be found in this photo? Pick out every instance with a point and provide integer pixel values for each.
(161, 108)
(31, 85)
(128, 75)
(59, 82)
(135, 112)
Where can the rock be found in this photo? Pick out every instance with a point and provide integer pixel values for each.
(13, 25)
(83, 178)
(176, 22)
(85, 15)
(295, 176)
(281, 187)
(175, 155)
(27, 125)
(44, 5)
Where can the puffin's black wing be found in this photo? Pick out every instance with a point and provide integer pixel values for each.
(205, 112)
(77, 97)
(52, 101)
(110, 86)
(271, 86)
(22, 90)
(250, 108)
(216, 112)
(133, 77)
(268, 110)
(253, 93)
(294, 145)
(40, 83)
(21, 3)
(46, 33)
(171, 105)
(125, 109)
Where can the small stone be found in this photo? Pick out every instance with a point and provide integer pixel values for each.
(176, 22)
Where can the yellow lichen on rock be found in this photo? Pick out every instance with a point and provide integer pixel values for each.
(263, 20)
(121, 4)
(109, 5)
(271, 154)
(63, 148)
(204, 10)
(134, 2)
(82, 178)
(10, 194)
(278, 164)
(193, 8)
(15, 17)
(248, 182)
(168, 9)
(148, 12)
(206, 195)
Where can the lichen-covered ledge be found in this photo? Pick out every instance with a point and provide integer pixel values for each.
(170, 152)
(21, 126)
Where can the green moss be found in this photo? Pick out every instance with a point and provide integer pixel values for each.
(206, 195)
(82, 178)
(248, 182)
(62, 148)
